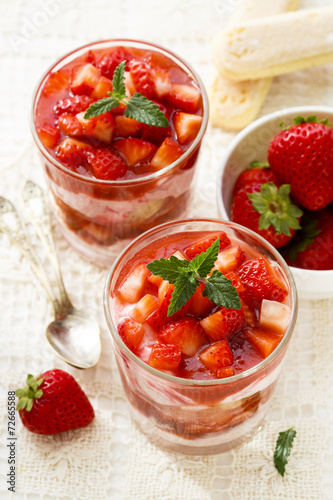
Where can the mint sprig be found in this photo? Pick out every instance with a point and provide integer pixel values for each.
(187, 276)
(283, 447)
(138, 106)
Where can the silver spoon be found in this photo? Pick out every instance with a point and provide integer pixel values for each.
(74, 335)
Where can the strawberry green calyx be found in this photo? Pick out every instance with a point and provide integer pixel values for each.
(276, 208)
(298, 120)
(30, 392)
(303, 238)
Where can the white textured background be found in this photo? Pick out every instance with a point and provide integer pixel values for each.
(111, 459)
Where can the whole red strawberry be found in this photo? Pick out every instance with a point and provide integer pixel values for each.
(267, 210)
(53, 402)
(259, 172)
(302, 156)
(312, 247)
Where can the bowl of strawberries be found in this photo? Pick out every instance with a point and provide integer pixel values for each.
(277, 179)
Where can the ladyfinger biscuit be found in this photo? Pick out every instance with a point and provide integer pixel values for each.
(233, 105)
(276, 45)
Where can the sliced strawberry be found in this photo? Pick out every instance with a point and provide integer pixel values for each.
(156, 134)
(126, 127)
(110, 61)
(50, 136)
(230, 259)
(70, 125)
(261, 281)
(186, 126)
(234, 278)
(274, 316)
(217, 356)
(73, 105)
(131, 333)
(129, 84)
(167, 153)
(134, 150)
(160, 317)
(85, 79)
(249, 314)
(203, 244)
(56, 83)
(223, 323)
(264, 342)
(100, 127)
(225, 372)
(142, 78)
(144, 308)
(165, 357)
(162, 82)
(131, 289)
(155, 280)
(72, 152)
(199, 305)
(185, 97)
(102, 87)
(186, 333)
(106, 164)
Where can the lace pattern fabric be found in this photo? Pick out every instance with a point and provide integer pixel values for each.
(111, 459)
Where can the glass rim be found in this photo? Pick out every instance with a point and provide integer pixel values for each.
(191, 382)
(127, 182)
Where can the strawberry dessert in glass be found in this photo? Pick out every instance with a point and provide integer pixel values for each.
(119, 126)
(200, 314)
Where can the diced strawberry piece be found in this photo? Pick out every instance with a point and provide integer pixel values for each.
(274, 316)
(217, 356)
(185, 97)
(144, 308)
(100, 127)
(186, 126)
(134, 150)
(85, 79)
(70, 125)
(131, 289)
(56, 83)
(131, 333)
(162, 82)
(142, 78)
(72, 152)
(229, 259)
(129, 84)
(203, 244)
(102, 87)
(165, 357)
(223, 323)
(234, 278)
(179, 255)
(165, 290)
(186, 333)
(126, 127)
(106, 164)
(249, 314)
(225, 372)
(73, 105)
(160, 317)
(261, 281)
(264, 342)
(155, 134)
(50, 136)
(110, 61)
(167, 153)
(200, 306)
(155, 280)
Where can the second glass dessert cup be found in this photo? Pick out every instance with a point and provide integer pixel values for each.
(191, 416)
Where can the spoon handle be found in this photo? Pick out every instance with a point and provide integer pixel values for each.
(12, 225)
(36, 210)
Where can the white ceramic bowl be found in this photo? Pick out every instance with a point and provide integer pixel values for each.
(252, 144)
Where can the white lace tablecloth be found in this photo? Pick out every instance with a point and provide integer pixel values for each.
(110, 459)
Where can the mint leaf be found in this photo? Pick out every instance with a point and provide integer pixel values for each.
(102, 106)
(221, 291)
(168, 269)
(143, 110)
(204, 261)
(185, 286)
(118, 81)
(283, 447)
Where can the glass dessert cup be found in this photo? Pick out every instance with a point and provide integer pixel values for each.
(192, 416)
(100, 217)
